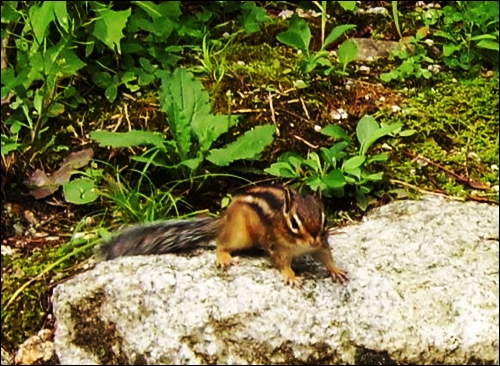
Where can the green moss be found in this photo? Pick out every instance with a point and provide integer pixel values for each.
(26, 314)
(456, 126)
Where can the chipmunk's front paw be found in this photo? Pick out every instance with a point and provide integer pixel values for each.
(338, 274)
(290, 278)
(225, 260)
(296, 282)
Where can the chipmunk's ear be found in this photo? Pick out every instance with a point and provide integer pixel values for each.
(287, 206)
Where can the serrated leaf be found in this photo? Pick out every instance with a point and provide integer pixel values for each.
(247, 146)
(186, 103)
(192, 164)
(127, 139)
(109, 26)
(209, 129)
(80, 191)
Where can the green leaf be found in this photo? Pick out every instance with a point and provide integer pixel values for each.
(128, 139)
(8, 145)
(348, 5)
(406, 133)
(298, 35)
(55, 110)
(61, 14)
(337, 150)
(167, 9)
(209, 129)
(374, 177)
(388, 76)
(488, 44)
(282, 169)
(449, 49)
(111, 92)
(313, 161)
(252, 16)
(247, 146)
(353, 163)
(395, 15)
(187, 106)
(379, 157)
(368, 131)
(367, 127)
(109, 26)
(296, 162)
(362, 200)
(40, 18)
(80, 191)
(335, 131)
(68, 63)
(314, 182)
(192, 164)
(335, 179)
(147, 65)
(347, 52)
(103, 79)
(337, 32)
(484, 36)
(7, 148)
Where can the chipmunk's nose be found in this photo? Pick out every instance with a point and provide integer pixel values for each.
(316, 242)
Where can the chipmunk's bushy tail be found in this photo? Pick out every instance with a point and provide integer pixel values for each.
(160, 238)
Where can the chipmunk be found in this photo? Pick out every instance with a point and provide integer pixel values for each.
(276, 219)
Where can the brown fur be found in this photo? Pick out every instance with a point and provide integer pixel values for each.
(298, 228)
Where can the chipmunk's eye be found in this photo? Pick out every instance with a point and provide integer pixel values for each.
(294, 222)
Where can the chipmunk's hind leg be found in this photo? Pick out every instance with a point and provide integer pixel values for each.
(237, 232)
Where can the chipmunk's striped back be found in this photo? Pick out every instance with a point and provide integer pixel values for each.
(277, 219)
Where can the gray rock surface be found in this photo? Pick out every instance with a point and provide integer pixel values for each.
(424, 288)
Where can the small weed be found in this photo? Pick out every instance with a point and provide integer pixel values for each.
(338, 167)
(194, 129)
(299, 36)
